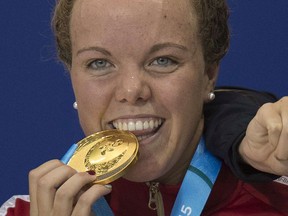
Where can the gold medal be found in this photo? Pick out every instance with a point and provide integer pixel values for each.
(109, 153)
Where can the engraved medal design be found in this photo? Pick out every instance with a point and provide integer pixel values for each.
(109, 153)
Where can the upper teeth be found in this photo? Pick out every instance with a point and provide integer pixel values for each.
(137, 125)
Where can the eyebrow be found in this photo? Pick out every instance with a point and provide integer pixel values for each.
(160, 46)
(155, 48)
(94, 48)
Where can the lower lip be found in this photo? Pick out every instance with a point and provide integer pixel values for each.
(140, 138)
(147, 139)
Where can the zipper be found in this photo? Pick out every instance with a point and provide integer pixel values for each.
(155, 198)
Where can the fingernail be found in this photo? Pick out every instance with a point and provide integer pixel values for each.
(108, 186)
(91, 172)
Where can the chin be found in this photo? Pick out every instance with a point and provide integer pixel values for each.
(136, 177)
(136, 174)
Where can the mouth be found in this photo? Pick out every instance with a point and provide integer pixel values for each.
(142, 128)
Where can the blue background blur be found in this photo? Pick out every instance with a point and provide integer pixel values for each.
(37, 120)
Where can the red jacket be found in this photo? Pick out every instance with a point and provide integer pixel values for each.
(229, 197)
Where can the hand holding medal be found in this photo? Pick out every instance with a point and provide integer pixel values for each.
(109, 153)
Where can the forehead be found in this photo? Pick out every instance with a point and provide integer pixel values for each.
(143, 19)
(120, 7)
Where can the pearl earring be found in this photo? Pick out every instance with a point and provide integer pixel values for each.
(75, 106)
(211, 96)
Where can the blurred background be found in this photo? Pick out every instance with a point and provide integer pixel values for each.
(37, 120)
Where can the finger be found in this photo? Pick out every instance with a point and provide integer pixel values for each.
(86, 200)
(47, 186)
(270, 119)
(34, 176)
(67, 193)
(282, 149)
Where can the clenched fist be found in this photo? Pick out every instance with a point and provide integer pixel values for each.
(265, 146)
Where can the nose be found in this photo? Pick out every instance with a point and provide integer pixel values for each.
(132, 88)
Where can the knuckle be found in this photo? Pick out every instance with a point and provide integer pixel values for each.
(68, 169)
(43, 183)
(284, 99)
(63, 195)
(281, 171)
(56, 161)
(279, 156)
(33, 175)
(84, 201)
(266, 108)
(37, 172)
(282, 103)
(275, 127)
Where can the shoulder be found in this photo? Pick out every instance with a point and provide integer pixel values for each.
(274, 193)
(230, 194)
(16, 206)
(226, 94)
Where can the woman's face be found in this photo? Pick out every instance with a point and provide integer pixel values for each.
(138, 65)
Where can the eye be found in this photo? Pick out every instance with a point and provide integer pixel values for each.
(163, 61)
(99, 64)
(163, 65)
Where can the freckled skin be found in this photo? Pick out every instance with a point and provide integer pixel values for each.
(133, 86)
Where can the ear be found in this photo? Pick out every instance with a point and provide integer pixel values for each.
(211, 74)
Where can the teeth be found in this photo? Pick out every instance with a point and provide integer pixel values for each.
(131, 126)
(138, 125)
(146, 125)
(151, 123)
(124, 126)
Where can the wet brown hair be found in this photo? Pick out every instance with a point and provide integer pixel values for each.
(212, 19)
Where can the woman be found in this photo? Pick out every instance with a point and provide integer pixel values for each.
(133, 62)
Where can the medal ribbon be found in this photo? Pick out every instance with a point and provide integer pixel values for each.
(198, 182)
(195, 189)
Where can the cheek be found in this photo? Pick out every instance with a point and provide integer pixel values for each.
(92, 100)
(183, 95)
(185, 109)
